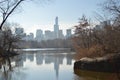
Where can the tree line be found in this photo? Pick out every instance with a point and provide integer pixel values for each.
(56, 43)
(92, 42)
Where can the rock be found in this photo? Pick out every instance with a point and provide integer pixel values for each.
(86, 59)
(101, 64)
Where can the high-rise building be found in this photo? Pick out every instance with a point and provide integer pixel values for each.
(39, 35)
(102, 25)
(49, 35)
(19, 31)
(61, 36)
(29, 37)
(56, 28)
(68, 33)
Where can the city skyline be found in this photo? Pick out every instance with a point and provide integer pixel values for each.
(54, 26)
(41, 16)
(56, 33)
(41, 35)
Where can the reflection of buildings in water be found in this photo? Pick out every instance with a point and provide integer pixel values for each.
(39, 58)
(56, 67)
(19, 63)
(55, 58)
(30, 57)
(49, 59)
(20, 60)
(69, 59)
(24, 57)
(58, 59)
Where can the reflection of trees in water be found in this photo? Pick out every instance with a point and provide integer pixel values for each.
(6, 61)
(15, 73)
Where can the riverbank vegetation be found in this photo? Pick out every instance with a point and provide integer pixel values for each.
(7, 39)
(102, 39)
(7, 45)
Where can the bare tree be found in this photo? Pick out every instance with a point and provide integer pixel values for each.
(112, 6)
(82, 31)
(7, 7)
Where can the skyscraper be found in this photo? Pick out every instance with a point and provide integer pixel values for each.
(49, 35)
(56, 28)
(39, 35)
(68, 33)
(19, 31)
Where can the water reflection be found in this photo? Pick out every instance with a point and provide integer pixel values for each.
(39, 65)
(91, 75)
(49, 65)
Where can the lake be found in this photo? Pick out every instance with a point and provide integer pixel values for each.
(49, 64)
(41, 64)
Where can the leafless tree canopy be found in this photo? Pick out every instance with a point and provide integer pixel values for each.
(112, 6)
(7, 7)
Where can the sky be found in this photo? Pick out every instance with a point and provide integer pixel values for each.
(33, 15)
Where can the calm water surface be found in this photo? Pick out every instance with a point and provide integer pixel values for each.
(49, 64)
(41, 65)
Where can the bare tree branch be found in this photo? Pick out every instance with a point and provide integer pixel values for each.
(112, 6)
(8, 8)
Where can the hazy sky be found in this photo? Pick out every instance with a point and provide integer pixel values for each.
(34, 16)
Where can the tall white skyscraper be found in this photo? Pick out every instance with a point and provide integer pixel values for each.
(56, 28)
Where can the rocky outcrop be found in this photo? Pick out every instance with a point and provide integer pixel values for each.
(109, 63)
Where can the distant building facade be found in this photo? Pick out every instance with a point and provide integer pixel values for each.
(56, 28)
(49, 35)
(68, 33)
(60, 34)
(46, 35)
(29, 37)
(102, 25)
(39, 35)
(19, 31)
